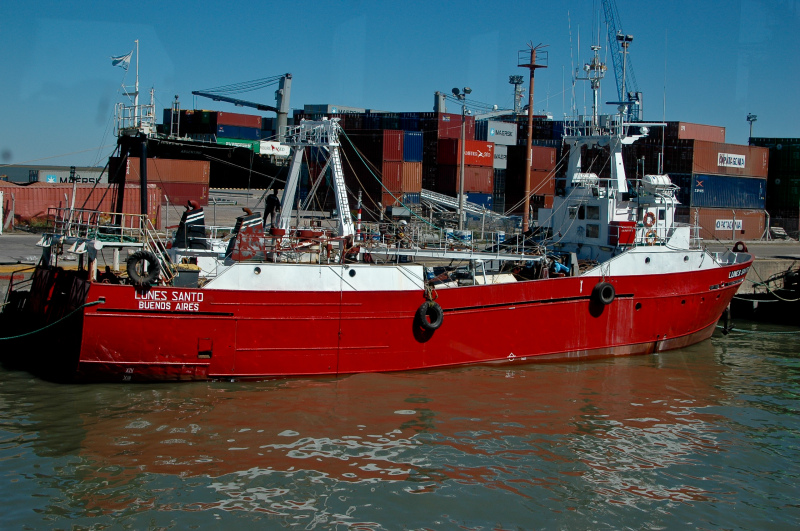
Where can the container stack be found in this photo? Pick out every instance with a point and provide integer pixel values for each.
(542, 183)
(721, 187)
(504, 135)
(225, 128)
(180, 181)
(393, 172)
(783, 181)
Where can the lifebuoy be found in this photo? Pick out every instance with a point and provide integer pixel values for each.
(740, 247)
(430, 310)
(136, 267)
(649, 219)
(604, 293)
(651, 237)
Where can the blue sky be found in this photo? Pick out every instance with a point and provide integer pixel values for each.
(711, 61)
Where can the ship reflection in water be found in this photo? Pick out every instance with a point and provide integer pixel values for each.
(662, 440)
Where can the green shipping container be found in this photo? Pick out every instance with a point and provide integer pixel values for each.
(254, 145)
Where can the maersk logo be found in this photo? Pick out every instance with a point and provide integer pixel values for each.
(52, 179)
(729, 160)
(495, 132)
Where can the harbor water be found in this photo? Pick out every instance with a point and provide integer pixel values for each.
(704, 437)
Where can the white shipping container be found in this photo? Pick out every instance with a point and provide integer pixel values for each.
(500, 157)
(501, 133)
(275, 149)
(82, 176)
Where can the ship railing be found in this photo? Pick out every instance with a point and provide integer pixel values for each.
(114, 229)
(89, 224)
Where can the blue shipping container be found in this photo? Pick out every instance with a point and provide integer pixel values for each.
(412, 147)
(484, 200)
(241, 133)
(726, 191)
(411, 198)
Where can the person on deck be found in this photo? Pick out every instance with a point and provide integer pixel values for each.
(272, 206)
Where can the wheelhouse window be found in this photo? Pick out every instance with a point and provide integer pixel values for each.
(592, 230)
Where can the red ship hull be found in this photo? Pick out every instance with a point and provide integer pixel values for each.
(167, 333)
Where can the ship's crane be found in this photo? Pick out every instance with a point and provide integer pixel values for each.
(281, 98)
(627, 88)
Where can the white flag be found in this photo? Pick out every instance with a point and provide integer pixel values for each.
(123, 60)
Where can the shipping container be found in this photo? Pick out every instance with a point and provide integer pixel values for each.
(160, 170)
(411, 198)
(240, 120)
(501, 133)
(33, 201)
(476, 179)
(500, 157)
(728, 224)
(63, 176)
(484, 200)
(689, 131)
(542, 158)
(717, 191)
(376, 145)
(241, 133)
(499, 181)
(409, 121)
(411, 177)
(412, 146)
(446, 125)
(499, 203)
(476, 152)
(332, 109)
(729, 159)
(177, 193)
(253, 145)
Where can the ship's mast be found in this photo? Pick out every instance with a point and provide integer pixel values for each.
(531, 65)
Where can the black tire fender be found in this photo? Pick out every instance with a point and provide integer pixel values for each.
(604, 293)
(136, 271)
(430, 310)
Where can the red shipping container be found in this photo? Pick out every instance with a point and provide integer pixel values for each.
(240, 120)
(161, 170)
(391, 198)
(718, 223)
(729, 159)
(478, 179)
(543, 158)
(476, 152)
(33, 201)
(392, 175)
(377, 145)
(412, 177)
(688, 131)
(182, 193)
(448, 125)
(542, 182)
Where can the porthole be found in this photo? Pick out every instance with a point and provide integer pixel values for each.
(257, 270)
(683, 301)
(685, 258)
(352, 272)
(647, 260)
(638, 306)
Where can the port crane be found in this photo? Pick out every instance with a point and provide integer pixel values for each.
(281, 98)
(627, 88)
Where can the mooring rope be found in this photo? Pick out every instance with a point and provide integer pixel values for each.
(54, 322)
